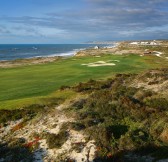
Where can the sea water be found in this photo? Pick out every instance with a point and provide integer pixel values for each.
(21, 51)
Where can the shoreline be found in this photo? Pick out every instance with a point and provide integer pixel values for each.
(35, 60)
(66, 54)
(29, 51)
(119, 48)
(69, 53)
(46, 59)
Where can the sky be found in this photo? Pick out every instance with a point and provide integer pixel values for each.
(78, 21)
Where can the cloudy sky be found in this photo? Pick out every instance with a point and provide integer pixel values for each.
(76, 21)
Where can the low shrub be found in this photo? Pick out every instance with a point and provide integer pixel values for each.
(56, 140)
(79, 104)
(103, 112)
(77, 126)
(158, 103)
(27, 113)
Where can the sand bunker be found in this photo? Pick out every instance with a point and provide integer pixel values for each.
(113, 61)
(99, 63)
(157, 53)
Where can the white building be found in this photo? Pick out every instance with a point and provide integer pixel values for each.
(144, 43)
(96, 47)
(134, 43)
(153, 43)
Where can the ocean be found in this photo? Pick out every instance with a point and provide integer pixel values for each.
(21, 51)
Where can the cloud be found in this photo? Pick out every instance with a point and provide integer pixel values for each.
(102, 19)
(4, 30)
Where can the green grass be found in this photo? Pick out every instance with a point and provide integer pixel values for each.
(27, 84)
(38, 100)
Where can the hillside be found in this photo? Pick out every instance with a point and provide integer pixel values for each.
(122, 118)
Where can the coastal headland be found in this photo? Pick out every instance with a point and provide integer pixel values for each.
(102, 104)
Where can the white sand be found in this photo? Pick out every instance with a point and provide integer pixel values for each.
(105, 64)
(116, 60)
(113, 61)
(100, 63)
(158, 53)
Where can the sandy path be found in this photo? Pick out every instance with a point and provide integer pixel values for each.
(51, 123)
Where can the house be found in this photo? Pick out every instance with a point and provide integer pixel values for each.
(134, 43)
(153, 43)
(96, 47)
(144, 43)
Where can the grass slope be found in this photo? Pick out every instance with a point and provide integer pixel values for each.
(28, 83)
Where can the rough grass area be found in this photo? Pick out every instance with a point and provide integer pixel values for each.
(26, 84)
(56, 140)
(127, 123)
(51, 100)
(126, 126)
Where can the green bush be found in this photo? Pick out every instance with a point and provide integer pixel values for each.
(27, 112)
(158, 103)
(77, 126)
(56, 140)
(103, 112)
